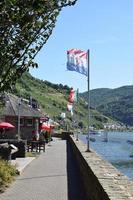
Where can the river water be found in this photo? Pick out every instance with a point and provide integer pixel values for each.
(118, 150)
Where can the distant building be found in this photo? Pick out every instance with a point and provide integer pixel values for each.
(114, 126)
(29, 115)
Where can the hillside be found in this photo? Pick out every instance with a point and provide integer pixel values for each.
(52, 99)
(115, 103)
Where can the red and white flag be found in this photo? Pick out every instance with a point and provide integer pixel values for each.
(71, 99)
(71, 96)
(77, 61)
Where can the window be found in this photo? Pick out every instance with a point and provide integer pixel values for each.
(21, 121)
(29, 122)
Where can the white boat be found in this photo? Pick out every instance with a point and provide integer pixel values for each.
(96, 132)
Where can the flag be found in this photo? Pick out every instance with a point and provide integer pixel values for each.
(70, 108)
(76, 96)
(63, 115)
(71, 101)
(77, 61)
(71, 96)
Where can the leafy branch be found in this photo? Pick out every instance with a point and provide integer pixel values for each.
(25, 27)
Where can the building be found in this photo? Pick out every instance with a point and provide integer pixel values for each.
(22, 115)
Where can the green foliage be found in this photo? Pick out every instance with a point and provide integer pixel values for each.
(25, 27)
(1, 108)
(81, 125)
(114, 103)
(53, 99)
(7, 173)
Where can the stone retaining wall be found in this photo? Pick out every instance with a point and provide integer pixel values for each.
(101, 180)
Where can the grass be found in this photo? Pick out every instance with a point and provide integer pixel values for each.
(32, 154)
(7, 174)
(53, 101)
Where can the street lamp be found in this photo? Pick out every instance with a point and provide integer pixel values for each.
(19, 104)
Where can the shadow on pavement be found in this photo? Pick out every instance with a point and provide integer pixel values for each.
(76, 190)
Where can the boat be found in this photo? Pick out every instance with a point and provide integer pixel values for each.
(130, 141)
(96, 132)
(92, 139)
(131, 155)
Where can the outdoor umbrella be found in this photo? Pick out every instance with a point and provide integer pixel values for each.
(45, 127)
(52, 126)
(6, 125)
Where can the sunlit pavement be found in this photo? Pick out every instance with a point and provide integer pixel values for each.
(52, 176)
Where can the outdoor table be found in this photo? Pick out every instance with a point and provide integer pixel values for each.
(37, 145)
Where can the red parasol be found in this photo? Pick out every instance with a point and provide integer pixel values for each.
(52, 126)
(45, 127)
(6, 125)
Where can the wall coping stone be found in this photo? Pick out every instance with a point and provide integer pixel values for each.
(115, 184)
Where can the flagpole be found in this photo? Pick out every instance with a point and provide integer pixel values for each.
(88, 63)
(77, 100)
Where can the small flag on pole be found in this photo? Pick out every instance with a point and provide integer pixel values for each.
(77, 61)
(76, 96)
(71, 96)
(69, 106)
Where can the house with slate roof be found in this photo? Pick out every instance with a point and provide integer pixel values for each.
(22, 115)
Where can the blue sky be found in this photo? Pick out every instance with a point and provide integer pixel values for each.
(105, 28)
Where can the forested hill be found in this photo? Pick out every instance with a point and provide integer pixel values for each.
(116, 103)
(53, 100)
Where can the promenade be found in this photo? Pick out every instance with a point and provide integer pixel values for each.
(52, 176)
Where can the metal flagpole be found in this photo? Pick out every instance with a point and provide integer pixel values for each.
(88, 138)
(77, 101)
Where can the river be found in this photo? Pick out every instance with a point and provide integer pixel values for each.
(118, 150)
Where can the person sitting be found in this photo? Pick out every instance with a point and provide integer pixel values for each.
(47, 135)
(42, 135)
(35, 136)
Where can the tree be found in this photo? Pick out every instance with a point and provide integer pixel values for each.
(25, 26)
(81, 124)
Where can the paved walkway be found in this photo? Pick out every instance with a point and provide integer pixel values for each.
(52, 176)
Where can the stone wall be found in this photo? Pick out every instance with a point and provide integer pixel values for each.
(101, 180)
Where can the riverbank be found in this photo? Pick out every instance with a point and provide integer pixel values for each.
(116, 149)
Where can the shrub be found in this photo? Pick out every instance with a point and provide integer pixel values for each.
(7, 173)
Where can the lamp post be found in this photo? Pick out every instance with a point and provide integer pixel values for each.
(19, 103)
(37, 128)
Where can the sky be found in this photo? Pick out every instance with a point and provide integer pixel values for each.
(105, 28)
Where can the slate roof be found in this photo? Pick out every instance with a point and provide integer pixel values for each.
(12, 106)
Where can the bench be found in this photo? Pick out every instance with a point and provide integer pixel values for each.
(20, 144)
(14, 149)
(6, 151)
